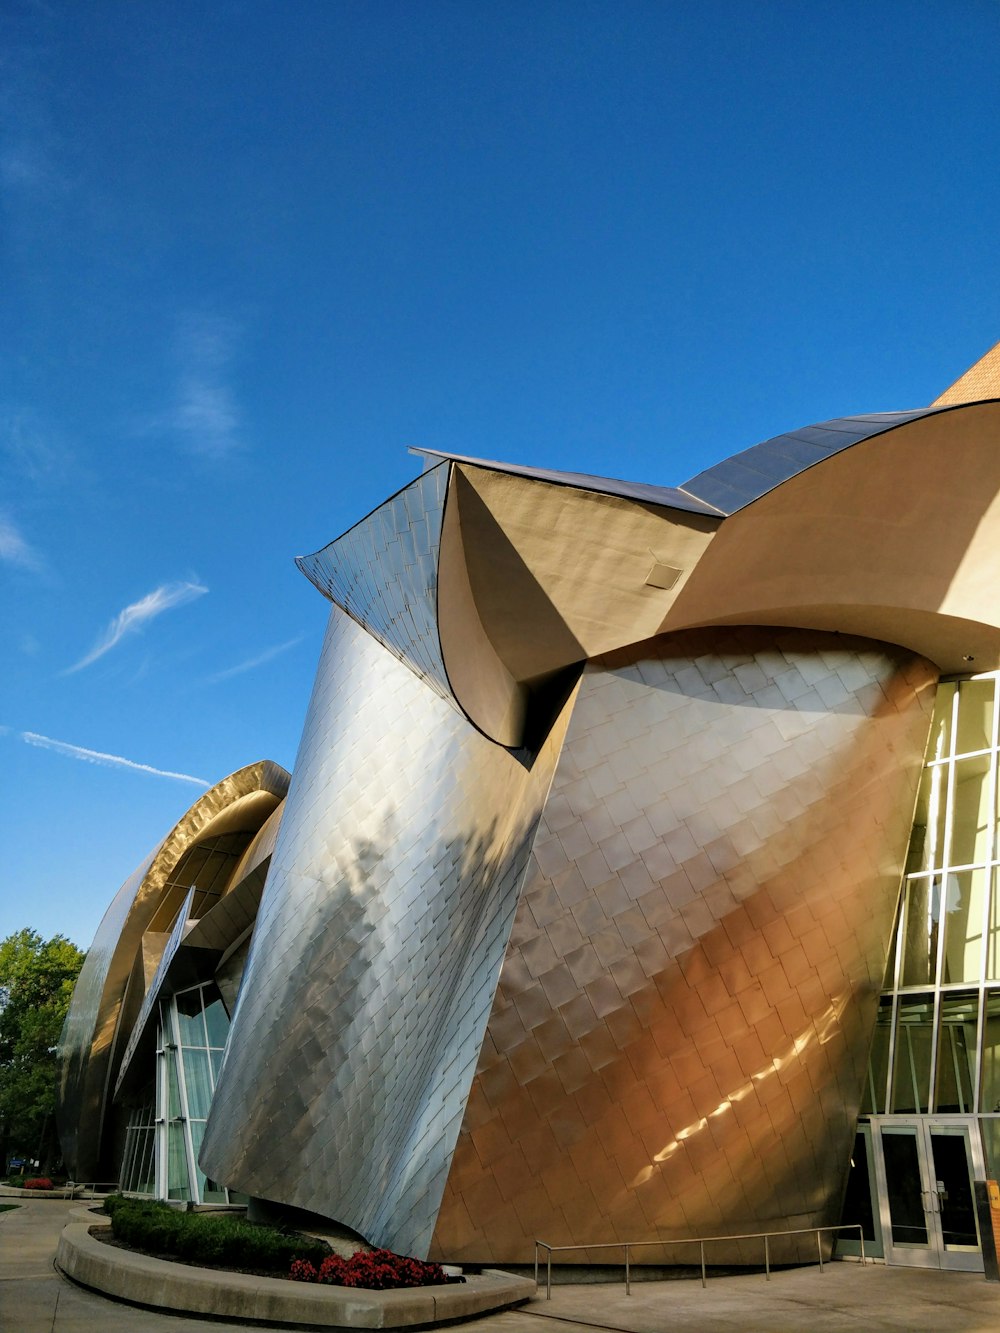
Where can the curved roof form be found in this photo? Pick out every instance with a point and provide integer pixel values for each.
(878, 524)
(92, 1043)
(669, 497)
(896, 539)
(746, 476)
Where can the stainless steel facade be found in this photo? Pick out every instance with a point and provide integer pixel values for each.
(85, 1040)
(605, 965)
(376, 951)
(383, 573)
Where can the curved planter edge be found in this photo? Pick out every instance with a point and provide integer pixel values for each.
(160, 1284)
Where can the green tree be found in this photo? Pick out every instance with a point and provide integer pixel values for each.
(36, 983)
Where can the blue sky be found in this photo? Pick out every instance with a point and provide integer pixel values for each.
(251, 252)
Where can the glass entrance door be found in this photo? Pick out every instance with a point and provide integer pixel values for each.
(861, 1201)
(925, 1168)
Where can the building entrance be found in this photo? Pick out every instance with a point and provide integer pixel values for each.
(924, 1168)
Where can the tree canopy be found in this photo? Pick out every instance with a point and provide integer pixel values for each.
(36, 982)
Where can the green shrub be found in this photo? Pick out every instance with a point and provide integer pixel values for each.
(208, 1238)
(114, 1202)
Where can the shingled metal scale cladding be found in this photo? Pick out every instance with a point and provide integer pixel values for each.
(577, 914)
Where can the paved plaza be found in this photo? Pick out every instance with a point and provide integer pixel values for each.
(34, 1298)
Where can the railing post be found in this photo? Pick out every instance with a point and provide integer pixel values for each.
(861, 1238)
(548, 1278)
(767, 1260)
(819, 1247)
(703, 1282)
(536, 1265)
(628, 1275)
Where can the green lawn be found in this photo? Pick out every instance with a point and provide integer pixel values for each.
(6, 1207)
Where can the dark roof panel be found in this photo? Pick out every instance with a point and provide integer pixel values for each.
(667, 496)
(738, 481)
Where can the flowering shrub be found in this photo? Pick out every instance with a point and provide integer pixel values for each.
(376, 1270)
(38, 1183)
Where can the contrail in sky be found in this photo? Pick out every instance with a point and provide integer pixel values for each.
(267, 656)
(107, 760)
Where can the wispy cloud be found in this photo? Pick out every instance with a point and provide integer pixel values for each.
(136, 616)
(205, 416)
(106, 760)
(268, 655)
(15, 549)
(32, 449)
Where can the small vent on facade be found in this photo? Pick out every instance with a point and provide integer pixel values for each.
(662, 576)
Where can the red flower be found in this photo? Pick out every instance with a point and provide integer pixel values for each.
(375, 1270)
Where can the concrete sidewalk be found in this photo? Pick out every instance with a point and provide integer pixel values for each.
(846, 1297)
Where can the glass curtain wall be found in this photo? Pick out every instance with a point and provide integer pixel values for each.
(936, 1048)
(138, 1173)
(192, 1038)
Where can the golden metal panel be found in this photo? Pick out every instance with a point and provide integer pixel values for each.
(981, 380)
(692, 1062)
(91, 1044)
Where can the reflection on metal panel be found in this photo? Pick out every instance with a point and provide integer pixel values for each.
(259, 850)
(153, 990)
(80, 1101)
(90, 1036)
(383, 573)
(746, 476)
(668, 497)
(376, 951)
(678, 1040)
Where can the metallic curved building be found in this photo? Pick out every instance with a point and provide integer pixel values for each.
(585, 903)
(180, 919)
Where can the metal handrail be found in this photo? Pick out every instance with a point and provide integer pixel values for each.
(79, 1189)
(700, 1241)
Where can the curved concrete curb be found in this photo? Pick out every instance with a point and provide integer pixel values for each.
(61, 1193)
(168, 1286)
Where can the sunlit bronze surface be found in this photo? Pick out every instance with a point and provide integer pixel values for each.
(678, 1041)
(896, 538)
(980, 381)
